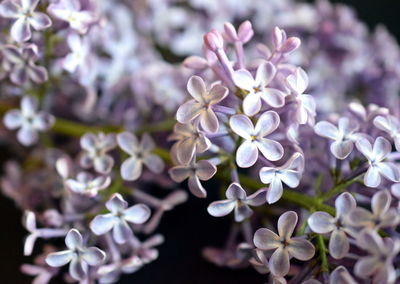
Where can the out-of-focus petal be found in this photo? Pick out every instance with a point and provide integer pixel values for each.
(58, 259)
(221, 208)
(137, 214)
(93, 256)
(321, 222)
(102, 224)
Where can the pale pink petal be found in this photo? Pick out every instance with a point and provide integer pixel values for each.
(216, 94)
(179, 173)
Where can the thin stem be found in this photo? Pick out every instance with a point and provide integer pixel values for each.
(322, 253)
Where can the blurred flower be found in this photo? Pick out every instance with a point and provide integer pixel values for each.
(86, 184)
(140, 153)
(80, 49)
(28, 120)
(390, 125)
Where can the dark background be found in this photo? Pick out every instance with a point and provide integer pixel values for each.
(188, 228)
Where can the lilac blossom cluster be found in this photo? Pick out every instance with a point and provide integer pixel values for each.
(255, 119)
(309, 173)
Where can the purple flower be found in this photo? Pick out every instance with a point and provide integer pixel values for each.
(80, 50)
(375, 155)
(201, 105)
(238, 201)
(140, 153)
(190, 141)
(289, 174)
(283, 244)
(390, 125)
(70, 11)
(344, 136)
(194, 172)
(78, 256)
(305, 108)
(23, 11)
(254, 141)
(322, 223)
(20, 62)
(118, 219)
(378, 264)
(28, 120)
(86, 184)
(95, 151)
(382, 215)
(257, 88)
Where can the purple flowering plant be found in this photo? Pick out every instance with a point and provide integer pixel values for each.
(102, 117)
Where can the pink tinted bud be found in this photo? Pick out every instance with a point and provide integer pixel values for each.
(245, 32)
(195, 62)
(277, 38)
(230, 33)
(213, 40)
(290, 45)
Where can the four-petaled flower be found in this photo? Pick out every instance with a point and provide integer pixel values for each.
(305, 108)
(28, 120)
(86, 184)
(322, 223)
(257, 88)
(77, 255)
(375, 155)
(23, 11)
(194, 172)
(390, 125)
(20, 63)
(378, 264)
(70, 11)
(140, 153)
(289, 173)
(190, 141)
(344, 136)
(78, 56)
(283, 244)
(247, 153)
(118, 219)
(201, 104)
(238, 201)
(95, 151)
(382, 215)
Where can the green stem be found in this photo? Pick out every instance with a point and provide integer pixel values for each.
(339, 188)
(322, 253)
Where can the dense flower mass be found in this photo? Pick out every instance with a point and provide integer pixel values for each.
(293, 116)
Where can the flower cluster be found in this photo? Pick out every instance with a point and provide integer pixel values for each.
(299, 132)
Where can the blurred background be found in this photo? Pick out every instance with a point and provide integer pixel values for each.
(188, 228)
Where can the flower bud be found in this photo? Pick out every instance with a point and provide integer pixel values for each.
(213, 40)
(278, 37)
(195, 62)
(230, 33)
(245, 32)
(290, 45)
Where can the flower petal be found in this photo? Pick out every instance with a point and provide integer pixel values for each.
(221, 208)
(209, 121)
(196, 88)
(205, 170)
(13, 119)
(271, 150)
(252, 104)
(344, 204)
(327, 129)
(103, 164)
(116, 204)
(242, 126)
(365, 148)
(286, 224)
(381, 202)
(20, 30)
(73, 240)
(93, 256)
(360, 217)
(301, 249)
(137, 214)
(275, 191)
(279, 262)
(242, 211)
(338, 244)
(273, 97)
(102, 224)
(27, 136)
(342, 149)
(179, 173)
(235, 192)
(265, 239)
(39, 21)
(267, 123)
(60, 258)
(366, 266)
(389, 171)
(257, 198)
(189, 111)
(244, 80)
(216, 94)
(154, 163)
(247, 154)
(196, 188)
(77, 269)
(372, 177)
(321, 222)
(128, 142)
(121, 232)
(381, 148)
(265, 73)
(131, 169)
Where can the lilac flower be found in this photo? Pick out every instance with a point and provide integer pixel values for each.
(247, 153)
(71, 12)
(34, 232)
(283, 244)
(258, 89)
(194, 172)
(20, 63)
(39, 269)
(390, 125)
(382, 215)
(201, 105)
(95, 151)
(375, 155)
(140, 153)
(86, 184)
(118, 219)
(28, 120)
(80, 50)
(322, 223)
(190, 141)
(238, 201)
(340, 275)
(289, 173)
(305, 109)
(378, 264)
(23, 11)
(344, 136)
(79, 257)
